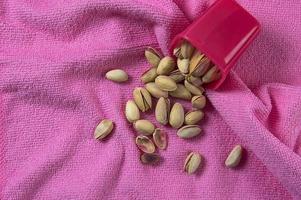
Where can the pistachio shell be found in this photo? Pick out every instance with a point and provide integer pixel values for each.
(117, 75)
(177, 76)
(160, 139)
(131, 111)
(193, 89)
(162, 110)
(149, 75)
(166, 65)
(212, 75)
(202, 67)
(103, 129)
(145, 144)
(195, 60)
(189, 131)
(198, 102)
(193, 117)
(149, 158)
(165, 83)
(181, 92)
(234, 157)
(186, 49)
(183, 65)
(196, 81)
(176, 117)
(152, 56)
(177, 52)
(192, 162)
(142, 99)
(155, 91)
(144, 127)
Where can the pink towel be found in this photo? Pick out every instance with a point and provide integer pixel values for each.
(53, 57)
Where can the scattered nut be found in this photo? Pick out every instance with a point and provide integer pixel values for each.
(189, 131)
(160, 139)
(117, 75)
(181, 92)
(103, 129)
(162, 110)
(192, 162)
(165, 83)
(198, 102)
(234, 157)
(193, 117)
(155, 91)
(142, 99)
(176, 117)
(131, 111)
(166, 65)
(152, 56)
(149, 75)
(149, 158)
(144, 127)
(145, 144)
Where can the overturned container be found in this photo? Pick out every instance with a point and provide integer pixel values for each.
(222, 34)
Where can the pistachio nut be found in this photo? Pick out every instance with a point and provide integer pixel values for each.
(176, 117)
(149, 158)
(165, 83)
(196, 81)
(192, 162)
(234, 157)
(166, 65)
(202, 67)
(152, 56)
(198, 102)
(117, 75)
(162, 110)
(177, 76)
(142, 99)
(212, 75)
(193, 117)
(189, 131)
(132, 111)
(160, 139)
(193, 89)
(186, 49)
(183, 65)
(144, 127)
(177, 52)
(103, 129)
(149, 75)
(155, 91)
(195, 60)
(181, 92)
(145, 144)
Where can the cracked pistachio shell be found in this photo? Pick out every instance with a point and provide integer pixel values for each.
(152, 56)
(132, 112)
(145, 144)
(189, 131)
(149, 76)
(186, 49)
(165, 83)
(162, 110)
(103, 129)
(155, 91)
(196, 81)
(192, 162)
(142, 99)
(177, 76)
(193, 89)
(181, 92)
(166, 65)
(198, 102)
(144, 127)
(176, 117)
(160, 139)
(177, 52)
(213, 74)
(193, 117)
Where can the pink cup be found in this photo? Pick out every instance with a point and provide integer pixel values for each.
(222, 33)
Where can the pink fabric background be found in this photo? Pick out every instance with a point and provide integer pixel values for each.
(53, 57)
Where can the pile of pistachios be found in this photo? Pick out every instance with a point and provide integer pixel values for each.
(169, 79)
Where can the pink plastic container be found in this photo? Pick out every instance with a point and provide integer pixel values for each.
(222, 33)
